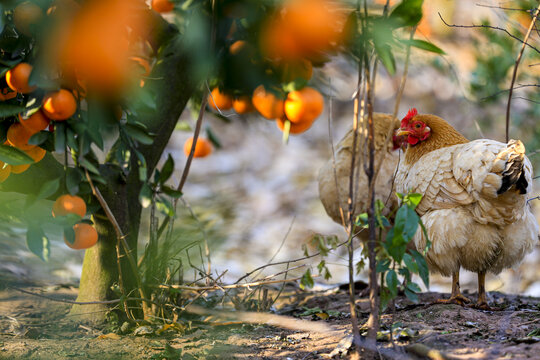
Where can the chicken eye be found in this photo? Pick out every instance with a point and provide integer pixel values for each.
(417, 126)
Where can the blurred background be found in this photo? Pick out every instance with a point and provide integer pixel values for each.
(255, 199)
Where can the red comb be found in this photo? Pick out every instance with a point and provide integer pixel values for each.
(412, 113)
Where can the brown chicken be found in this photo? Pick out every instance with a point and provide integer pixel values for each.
(334, 181)
(474, 205)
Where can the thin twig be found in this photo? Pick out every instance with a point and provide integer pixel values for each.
(490, 27)
(232, 286)
(502, 8)
(399, 95)
(514, 73)
(120, 238)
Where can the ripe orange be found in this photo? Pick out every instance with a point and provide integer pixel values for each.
(295, 128)
(304, 28)
(303, 105)
(202, 148)
(59, 105)
(219, 100)
(86, 236)
(5, 170)
(18, 169)
(68, 204)
(267, 104)
(18, 136)
(162, 6)
(25, 16)
(36, 122)
(17, 78)
(36, 153)
(243, 105)
(7, 94)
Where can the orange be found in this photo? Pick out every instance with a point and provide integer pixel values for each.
(294, 69)
(36, 122)
(295, 128)
(304, 105)
(267, 104)
(18, 169)
(94, 44)
(18, 136)
(25, 16)
(202, 148)
(242, 48)
(59, 105)
(7, 94)
(5, 170)
(69, 204)
(243, 105)
(304, 28)
(86, 236)
(36, 153)
(17, 78)
(219, 100)
(162, 6)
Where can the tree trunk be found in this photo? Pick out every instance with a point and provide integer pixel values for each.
(174, 85)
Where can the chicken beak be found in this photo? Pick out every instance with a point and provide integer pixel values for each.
(402, 132)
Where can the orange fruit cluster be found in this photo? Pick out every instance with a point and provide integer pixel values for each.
(85, 235)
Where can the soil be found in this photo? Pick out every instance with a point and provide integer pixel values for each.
(37, 328)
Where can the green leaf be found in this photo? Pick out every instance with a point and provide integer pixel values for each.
(307, 280)
(408, 13)
(175, 194)
(37, 242)
(410, 264)
(88, 165)
(423, 270)
(413, 199)
(392, 282)
(7, 109)
(382, 265)
(69, 234)
(48, 188)
(411, 295)
(213, 138)
(139, 133)
(66, 221)
(164, 206)
(413, 287)
(13, 156)
(73, 179)
(183, 126)
(424, 45)
(384, 53)
(39, 138)
(145, 196)
(167, 170)
(60, 137)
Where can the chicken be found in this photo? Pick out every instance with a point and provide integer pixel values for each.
(334, 182)
(474, 205)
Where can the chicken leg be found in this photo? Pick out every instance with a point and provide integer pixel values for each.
(482, 303)
(456, 297)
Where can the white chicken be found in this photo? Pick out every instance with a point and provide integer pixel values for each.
(334, 175)
(474, 205)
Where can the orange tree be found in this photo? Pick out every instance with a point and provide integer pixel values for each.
(78, 75)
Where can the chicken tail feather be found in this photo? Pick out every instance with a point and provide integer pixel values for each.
(513, 174)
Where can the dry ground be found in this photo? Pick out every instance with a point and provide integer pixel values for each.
(37, 328)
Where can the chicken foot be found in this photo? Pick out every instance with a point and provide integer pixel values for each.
(482, 303)
(456, 297)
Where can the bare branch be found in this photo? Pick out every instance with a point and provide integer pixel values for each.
(489, 27)
(514, 74)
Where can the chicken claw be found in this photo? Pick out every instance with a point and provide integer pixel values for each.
(455, 299)
(482, 305)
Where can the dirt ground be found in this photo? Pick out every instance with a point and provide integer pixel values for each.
(37, 328)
